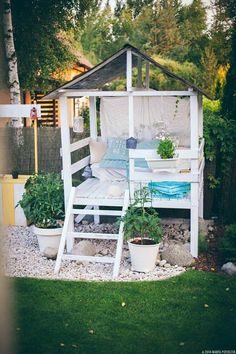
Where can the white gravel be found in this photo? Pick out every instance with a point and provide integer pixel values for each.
(23, 259)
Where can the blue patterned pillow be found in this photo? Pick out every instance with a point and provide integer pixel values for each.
(116, 149)
(116, 155)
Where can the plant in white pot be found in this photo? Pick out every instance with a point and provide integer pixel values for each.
(43, 205)
(143, 231)
(167, 158)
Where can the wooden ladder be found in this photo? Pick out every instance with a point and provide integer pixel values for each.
(67, 234)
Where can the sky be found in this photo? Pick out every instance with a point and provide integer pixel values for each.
(187, 2)
(206, 2)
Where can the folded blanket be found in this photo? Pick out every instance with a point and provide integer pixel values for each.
(169, 190)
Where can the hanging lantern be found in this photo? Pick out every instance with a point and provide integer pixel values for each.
(78, 124)
(131, 143)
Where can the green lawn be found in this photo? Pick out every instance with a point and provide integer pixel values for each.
(169, 316)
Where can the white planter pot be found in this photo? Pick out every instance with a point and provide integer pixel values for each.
(48, 237)
(143, 257)
(162, 164)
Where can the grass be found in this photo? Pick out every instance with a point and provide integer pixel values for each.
(188, 314)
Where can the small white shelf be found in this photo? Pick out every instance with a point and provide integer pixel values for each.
(163, 165)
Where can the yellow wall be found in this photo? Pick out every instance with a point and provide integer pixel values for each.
(8, 188)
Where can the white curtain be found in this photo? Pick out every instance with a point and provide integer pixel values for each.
(151, 114)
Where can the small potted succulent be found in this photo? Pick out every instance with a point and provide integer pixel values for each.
(167, 159)
(143, 232)
(43, 205)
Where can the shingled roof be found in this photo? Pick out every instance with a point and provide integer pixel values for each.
(112, 68)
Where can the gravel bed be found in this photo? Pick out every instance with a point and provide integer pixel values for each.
(23, 258)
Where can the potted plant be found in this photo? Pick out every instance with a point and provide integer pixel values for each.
(167, 159)
(143, 231)
(43, 205)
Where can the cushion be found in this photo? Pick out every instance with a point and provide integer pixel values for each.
(116, 155)
(106, 174)
(97, 150)
(116, 149)
(140, 163)
(114, 164)
(148, 144)
(145, 145)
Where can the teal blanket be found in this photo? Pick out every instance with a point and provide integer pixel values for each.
(169, 190)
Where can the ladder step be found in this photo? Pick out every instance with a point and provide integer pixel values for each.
(102, 259)
(93, 235)
(96, 212)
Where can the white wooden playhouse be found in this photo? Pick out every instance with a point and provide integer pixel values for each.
(137, 111)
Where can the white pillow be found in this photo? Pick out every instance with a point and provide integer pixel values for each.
(97, 150)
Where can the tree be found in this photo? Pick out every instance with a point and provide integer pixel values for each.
(221, 32)
(13, 79)
(229, 98)
(210, 71)
(96, 36)
(192, 24)
(165, 35)
(37, 27)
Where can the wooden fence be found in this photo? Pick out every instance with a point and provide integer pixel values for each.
(17, 149)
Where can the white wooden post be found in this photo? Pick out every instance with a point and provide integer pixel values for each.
(194, 170)
(93, 135)
(131, 134)
(201, 199)
(200, 127)
(93, 117)
(65, 143)
(129, 70)
(130, 112)
(147, 75)
(200, 116)
(66, 162)
(139, 79)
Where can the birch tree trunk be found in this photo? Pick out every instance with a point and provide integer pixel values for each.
(13, 79)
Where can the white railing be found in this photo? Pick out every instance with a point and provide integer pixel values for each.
(79, 165)
(183, 175)
(79, 144)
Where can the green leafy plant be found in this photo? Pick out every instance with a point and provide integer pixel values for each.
(227, 245)
(202, 243)
(141, 222)
(213, 182)
(166, 148)
(43, 200)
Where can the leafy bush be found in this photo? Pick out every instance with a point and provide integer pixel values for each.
(140, 221)
(43, 200)
(227, 245)
(187, 70)
(202, 244)
(166, 148)
(219, 134)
